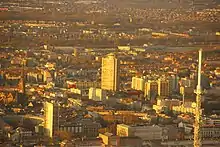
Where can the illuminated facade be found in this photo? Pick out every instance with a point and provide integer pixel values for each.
(110, 73)
(151, 87)
(51, 124)
(97, 94)
(144, 132)
(138, 83)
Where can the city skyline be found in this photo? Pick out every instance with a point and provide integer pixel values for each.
(110, 73)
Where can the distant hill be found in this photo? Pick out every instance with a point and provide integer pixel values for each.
(166, 4)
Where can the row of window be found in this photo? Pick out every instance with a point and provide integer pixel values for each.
(74, 129)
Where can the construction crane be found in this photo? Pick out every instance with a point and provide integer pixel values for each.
(198, 112)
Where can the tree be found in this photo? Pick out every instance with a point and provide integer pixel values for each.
(63, 135)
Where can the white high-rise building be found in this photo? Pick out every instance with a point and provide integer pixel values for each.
(51, 122)
(110, 73)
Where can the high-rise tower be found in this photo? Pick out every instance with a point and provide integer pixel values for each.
(198, 91)
(151, 89)
(163, 87)
(110, 73)
(51, 120)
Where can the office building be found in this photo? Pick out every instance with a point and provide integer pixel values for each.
(110, 73)
(163, 88)
(83, 128)
(144, 132)
(51, 122)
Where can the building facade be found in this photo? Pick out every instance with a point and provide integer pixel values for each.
(174, 83)
(151, 88)
(144, 132)
(163, 88)
(110, 73)
(97, 94)
(82, 84)
(138, 83)
(51, 124)
(82, 128)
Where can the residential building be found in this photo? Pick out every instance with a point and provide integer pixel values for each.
(83, 128)
(166, 104)
(138, 83)
(47, 77)
(35, 77)
(82, 84)
(174, 83)
(108, 138)
(163, 87)
(97, 94)
(151, 89)
(187, 107)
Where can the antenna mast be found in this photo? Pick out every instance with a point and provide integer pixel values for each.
(198, 112)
